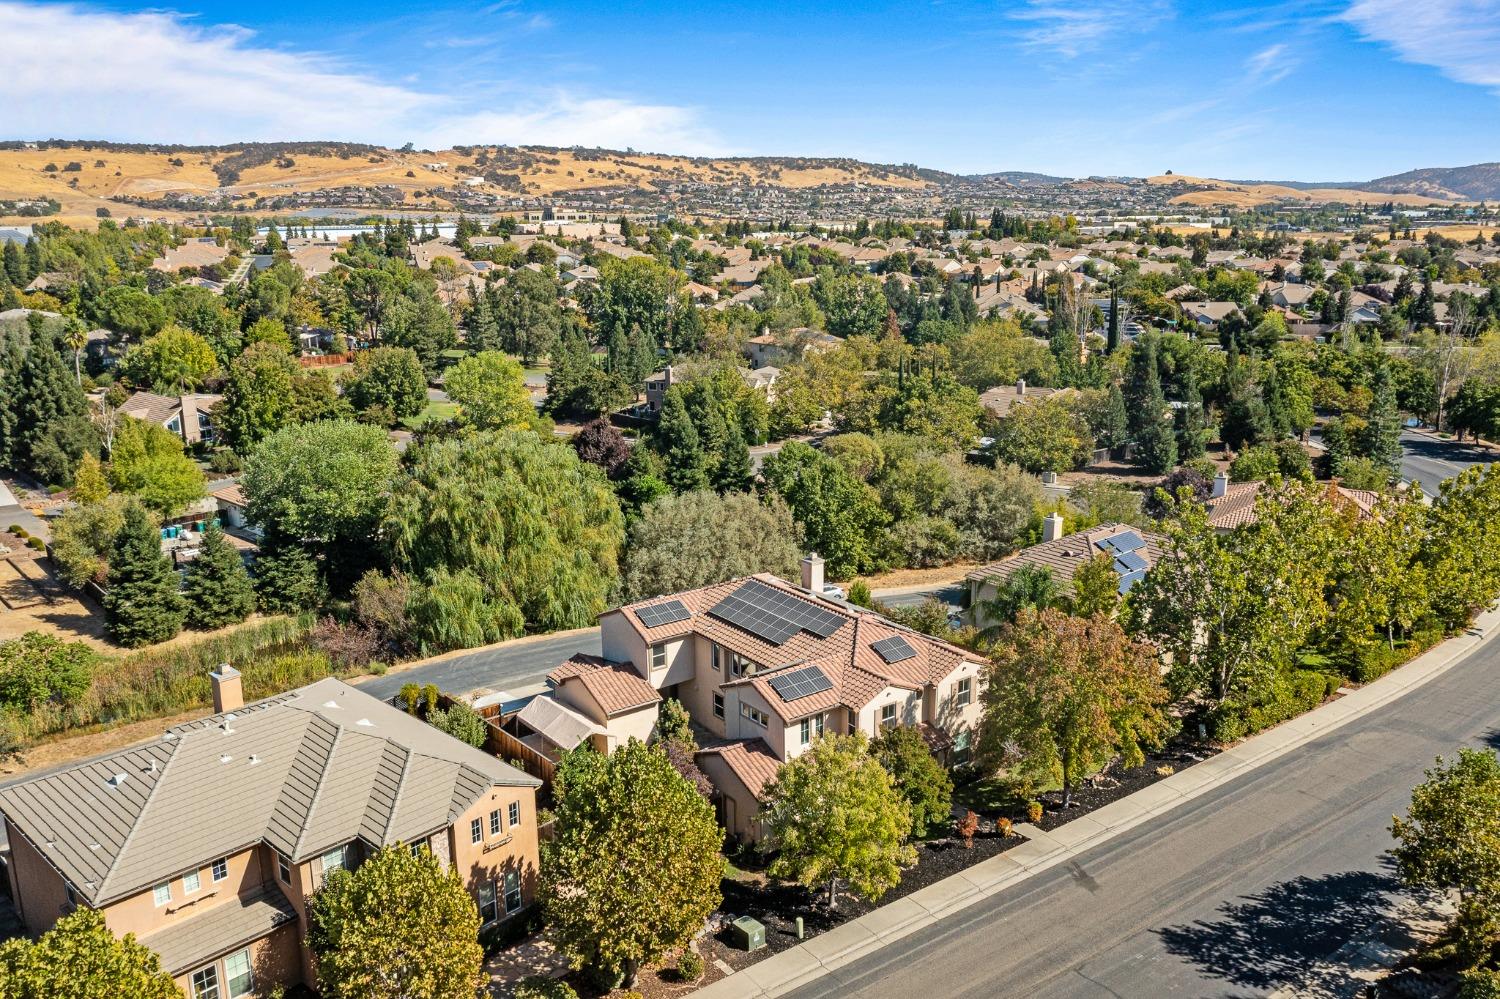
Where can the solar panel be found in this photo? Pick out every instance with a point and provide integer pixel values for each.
(668, 612)
(1125, 541)
(795, 684)
(773, 614)
(894, 649)
(1130, 579)
(1129, 562)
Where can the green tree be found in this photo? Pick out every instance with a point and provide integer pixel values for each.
(286, 578)
(259, 395)
(1384, 441)
(1066, 695)
(462, 722)
(917, 776)
(841, 517)
(1096, 588)
(52, 430)
(130, 312)
(673, 723)
(458, 610)
(323, 485)
(389, 377)
(528, 313)
(89, 483)
(217, 588)
(699, 538)
(490, 389)
(1028, 587)
(634, 867)
(84, 536)
(680, 445)
(175, 360)
(401, 925)
(38, 668)
(1044, 436)
(541, 528)
(80, 958)
(141, 603)
(1461, 553)
(833, 814)
(1156, 445)
(147, 461)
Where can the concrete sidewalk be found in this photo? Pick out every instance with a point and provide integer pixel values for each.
(846, 944)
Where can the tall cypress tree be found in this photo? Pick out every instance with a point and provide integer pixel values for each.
(1146, 406)
(734, 471)
(142, 604)
(680, 445)
(53, 431)
(1384, 433)
(1189, 420)
(217, 588)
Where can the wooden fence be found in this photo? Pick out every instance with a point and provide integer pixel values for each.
(325, 360)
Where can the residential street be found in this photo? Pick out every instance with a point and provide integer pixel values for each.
(1427, 460)
(1243, 891)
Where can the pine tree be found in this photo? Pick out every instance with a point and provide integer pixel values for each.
(1189, 421)
(1384, 441)
(286, 579)
(217, 588)
(52, 414)
(680, 445)
(733, 472)
(142, 604)
(1146, 406)
(1113, 340)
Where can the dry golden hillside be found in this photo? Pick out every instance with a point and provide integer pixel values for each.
(105, 173)
(1250, 195)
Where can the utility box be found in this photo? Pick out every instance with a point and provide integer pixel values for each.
(748, 934)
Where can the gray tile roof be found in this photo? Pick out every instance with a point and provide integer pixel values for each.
(303, 771)
(191, 942)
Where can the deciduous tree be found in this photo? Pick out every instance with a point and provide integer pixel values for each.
(695, 539)
(80, 958)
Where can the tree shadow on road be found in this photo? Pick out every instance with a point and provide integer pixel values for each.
(1287, 934)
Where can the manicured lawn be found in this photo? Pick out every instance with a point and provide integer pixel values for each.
(436, 410)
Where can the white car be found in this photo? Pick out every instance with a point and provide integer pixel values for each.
(834, 591)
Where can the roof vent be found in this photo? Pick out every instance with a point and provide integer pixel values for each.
(151, 767)
(94, 846)
(169, 736)
(117, 780)
(365, 722)
(254, 759)
(330, 704)
(225, 758)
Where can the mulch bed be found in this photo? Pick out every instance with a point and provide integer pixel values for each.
(1116, 783)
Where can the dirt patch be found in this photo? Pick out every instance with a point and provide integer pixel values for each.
(32, 598)
(51, 753)
(899, 578)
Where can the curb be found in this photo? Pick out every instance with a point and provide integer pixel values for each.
(844, 944)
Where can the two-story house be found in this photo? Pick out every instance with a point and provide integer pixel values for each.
(207, 843)
(765, 667)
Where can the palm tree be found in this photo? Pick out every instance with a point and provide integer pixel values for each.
(76, 336)
(1029, 586)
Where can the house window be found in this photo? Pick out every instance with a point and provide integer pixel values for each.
(206, 983)
(811, 729)
(713, 650)
(658, 657)
(739, 665)
(334, 859)
(162, 893)
(495, 822)
(965, 692)
(283, 868)
(416, 848)
(488, 911)
(754, 714)
(888, 716)
(515, 813)
(221, 868)
(512, 891)
(476, 831)
(190, 882)
(718, 705)
(237, 976)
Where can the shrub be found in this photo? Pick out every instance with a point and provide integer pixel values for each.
(462, 722)
(542, 987)
(36, 543)
(430, 695)
(224, 461)
(1002, 826)
(967, 827)
(859, 594)
(410, 695)
(349, 645)
(18, 531)
(1034, 811)
(690, 966)
(1292, 693)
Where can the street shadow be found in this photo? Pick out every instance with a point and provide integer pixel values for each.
(1287, 935)
(1491, 739)
(1440, 450)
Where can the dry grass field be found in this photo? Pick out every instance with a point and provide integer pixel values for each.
(1250, 195)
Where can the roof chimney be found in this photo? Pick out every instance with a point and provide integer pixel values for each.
(1052, 527)
(229, 693)
(1020, 386)
(812, 573)
(1221, 486)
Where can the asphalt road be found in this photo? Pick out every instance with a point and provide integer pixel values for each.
(1243, 891)
(1427, 461)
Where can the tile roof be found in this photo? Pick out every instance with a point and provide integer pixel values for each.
(857, 672)
(1236, 507)
(1065, 555)
(302, 771)
(751, 760)
(617, 687)
(188, 943)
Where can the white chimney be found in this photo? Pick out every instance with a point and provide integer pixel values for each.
(1020, 386)
(812, 573)
(1221, 485)
(229, 693)
(1052, 527)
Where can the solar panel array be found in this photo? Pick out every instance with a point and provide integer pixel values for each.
(1130, 579)
(894, 649)
(1125, 541)
(667, 612)
(773, 615)
(798, 683)
(1129, 562)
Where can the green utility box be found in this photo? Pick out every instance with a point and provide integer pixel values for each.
(749, 933)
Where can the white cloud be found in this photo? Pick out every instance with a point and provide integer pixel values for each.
(1461, 38)
(78, 72)
(1270, 65)
(1071, 28)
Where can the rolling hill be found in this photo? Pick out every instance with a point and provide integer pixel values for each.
(1478, 182)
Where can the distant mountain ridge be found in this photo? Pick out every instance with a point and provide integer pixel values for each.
(1479, 181)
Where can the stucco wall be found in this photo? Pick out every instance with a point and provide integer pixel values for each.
(908, 709)
(139, 914)
(41, 893)
(514, 848)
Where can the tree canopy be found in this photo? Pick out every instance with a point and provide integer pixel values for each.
(683, 542)
(79, 958)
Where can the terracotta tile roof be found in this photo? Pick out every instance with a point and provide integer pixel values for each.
(1236, 507)
(1065, 555)
(617, 687)
(751, 760)
(857, 672)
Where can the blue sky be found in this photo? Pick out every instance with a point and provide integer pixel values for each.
(1318, 90)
